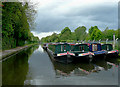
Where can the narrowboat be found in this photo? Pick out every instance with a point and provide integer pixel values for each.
(96, 48)
(61, 52)
(81, 52)
(45, 46)
(110, 51)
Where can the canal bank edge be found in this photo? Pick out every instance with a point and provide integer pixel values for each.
(7, 53)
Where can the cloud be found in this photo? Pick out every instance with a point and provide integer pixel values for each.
(55, 15)
(43, 34)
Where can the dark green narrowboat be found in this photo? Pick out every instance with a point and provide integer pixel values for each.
(61, 52)
(109, 49)
(81, 51)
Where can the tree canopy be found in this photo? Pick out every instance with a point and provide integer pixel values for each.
(18, 18)
(96, 34)
(65, 34)
(80, 33)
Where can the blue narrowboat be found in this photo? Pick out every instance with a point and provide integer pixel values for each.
(61, 52)
(110, 51)
(96, 48)
(81, 51)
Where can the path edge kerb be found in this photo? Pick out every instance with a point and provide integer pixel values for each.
(13, 51)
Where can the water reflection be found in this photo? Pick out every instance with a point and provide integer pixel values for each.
(40, 49)
(79, 69)
(15, 69)
(83, 69)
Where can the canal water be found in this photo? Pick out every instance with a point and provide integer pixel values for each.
(33, 66)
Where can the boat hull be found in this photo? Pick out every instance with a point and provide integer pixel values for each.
(63, 59)
(100, 55)
(112, 55)
(45, 48)
(86, 58)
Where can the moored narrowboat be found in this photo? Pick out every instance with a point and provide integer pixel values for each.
(110, 51)
(81, 51)
(45, 46)
(96, 48)
(61, 52)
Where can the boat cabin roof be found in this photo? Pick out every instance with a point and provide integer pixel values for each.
(71, 43)
(80, 44)
(59, 44)
(106, 44)
(94, 43)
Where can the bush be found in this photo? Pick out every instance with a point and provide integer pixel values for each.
(8, 42)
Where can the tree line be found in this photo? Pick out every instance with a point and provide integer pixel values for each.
(17, 19)
(80, 34)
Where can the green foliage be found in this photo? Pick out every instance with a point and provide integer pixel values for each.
(73, 36)
(8, 42)
(54, 38)
(96, 34)
(18, 19)
(80, 33)
(69, 41)
(65, 34)
(91, 29)
(87, 37)
(108, 34)
(51, 47)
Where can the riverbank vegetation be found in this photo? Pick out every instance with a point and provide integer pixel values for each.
(17, 20)
(81, 34)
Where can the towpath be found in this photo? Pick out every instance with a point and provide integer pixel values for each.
(6, 53)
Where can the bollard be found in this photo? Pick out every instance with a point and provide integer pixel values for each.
(99, 40)
(106, 41)
(113, 41)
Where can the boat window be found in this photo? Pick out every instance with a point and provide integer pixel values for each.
(94, 47)
(61, 48)
(81, 48)
(64, 47)
(107, 47)
(72, 47)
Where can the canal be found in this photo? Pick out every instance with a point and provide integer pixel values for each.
(33, 66)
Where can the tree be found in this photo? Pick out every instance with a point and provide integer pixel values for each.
(96, 34)
(91, 30)
(65, 34)
(18, 18)
(108, 34)
(73, 36)
(80, 33)
(54, 38)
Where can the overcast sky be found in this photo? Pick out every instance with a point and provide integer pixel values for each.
(55, 15)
